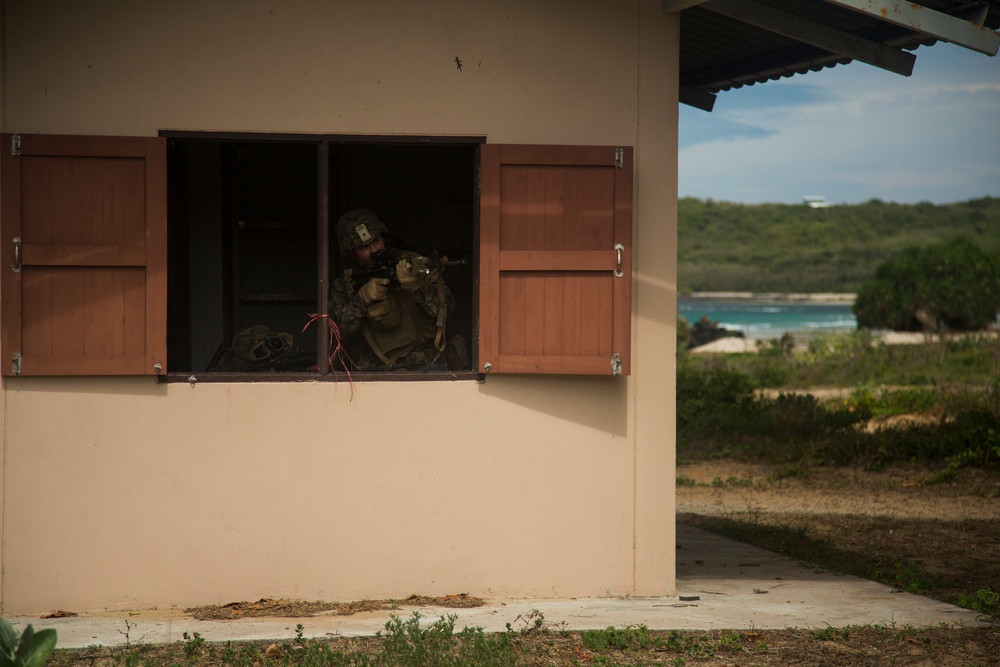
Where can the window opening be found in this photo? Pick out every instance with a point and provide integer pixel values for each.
(252, 247)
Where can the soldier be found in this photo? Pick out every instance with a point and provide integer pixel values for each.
(402, 316)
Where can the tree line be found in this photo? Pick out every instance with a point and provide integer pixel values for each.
(725, 246)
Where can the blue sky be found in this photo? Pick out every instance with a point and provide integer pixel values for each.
(852, 133)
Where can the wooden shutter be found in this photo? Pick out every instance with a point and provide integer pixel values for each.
(550, 220)
(84, 262)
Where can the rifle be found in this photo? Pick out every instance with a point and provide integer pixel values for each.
(294, 360)
(384, 265)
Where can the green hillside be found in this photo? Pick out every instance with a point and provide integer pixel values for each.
(725, 247)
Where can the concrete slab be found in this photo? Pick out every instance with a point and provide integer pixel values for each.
(722, 584)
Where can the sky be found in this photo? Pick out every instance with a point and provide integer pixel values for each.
(851, 134)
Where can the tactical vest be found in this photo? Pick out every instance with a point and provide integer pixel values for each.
(397, 325)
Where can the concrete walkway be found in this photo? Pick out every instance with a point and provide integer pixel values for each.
(722, 584)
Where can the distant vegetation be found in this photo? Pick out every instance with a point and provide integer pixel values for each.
(724, 246)
(953, 286)
(953, 385)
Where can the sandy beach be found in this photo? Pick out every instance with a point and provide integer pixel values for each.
(737, 345)
(791, 297)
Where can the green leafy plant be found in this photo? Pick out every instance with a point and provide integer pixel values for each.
(985, 601)
(192, 644)
(908, 577)
(29, 649)
(300, 634)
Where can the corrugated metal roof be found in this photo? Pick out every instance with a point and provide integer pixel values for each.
(722, 49)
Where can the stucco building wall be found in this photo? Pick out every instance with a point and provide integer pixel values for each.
(128, 493)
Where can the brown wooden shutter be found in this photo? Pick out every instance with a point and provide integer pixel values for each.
(550, 220)
(84, 222)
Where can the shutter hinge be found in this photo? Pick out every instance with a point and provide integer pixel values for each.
(15, 145)
(15, 364)
(616, 364)
(619, 157)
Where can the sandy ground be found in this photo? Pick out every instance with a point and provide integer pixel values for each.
(897, 493)
(736, 345)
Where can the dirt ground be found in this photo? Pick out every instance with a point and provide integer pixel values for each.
(949, 532)
(943, 540)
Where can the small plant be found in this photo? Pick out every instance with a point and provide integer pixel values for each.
(532, 622)
(192, 644)
(908, 578)
(985, 601)
(300, 634)
(127, 633)
(29, 649)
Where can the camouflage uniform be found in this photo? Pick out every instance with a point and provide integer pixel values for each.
(399, 331)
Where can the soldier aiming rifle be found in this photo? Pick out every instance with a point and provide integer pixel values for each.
(396, 299)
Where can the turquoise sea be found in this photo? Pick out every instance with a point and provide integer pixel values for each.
(770, 319)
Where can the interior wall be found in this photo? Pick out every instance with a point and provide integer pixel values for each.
(177, 495)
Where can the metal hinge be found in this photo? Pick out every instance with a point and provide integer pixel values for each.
(15, 145)
(616, 364)
(15, 364)
(619, 157)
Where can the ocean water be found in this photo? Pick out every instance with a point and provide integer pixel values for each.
(770, 319)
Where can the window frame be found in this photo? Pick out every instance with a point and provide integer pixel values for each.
(486, 267)
(323, 143)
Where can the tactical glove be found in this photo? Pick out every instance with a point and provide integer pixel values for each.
(376, 289)
(407, 275)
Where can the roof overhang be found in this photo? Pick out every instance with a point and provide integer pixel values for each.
(727, 44)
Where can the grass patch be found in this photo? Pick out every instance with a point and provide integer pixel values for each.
(409, 643)
(721, 412)
(859, 359)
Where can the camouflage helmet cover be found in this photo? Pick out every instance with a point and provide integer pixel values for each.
(256, 346)
(358, 228)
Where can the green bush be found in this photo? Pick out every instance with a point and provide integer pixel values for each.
(721, 412)
(721, 407)
(952, 286)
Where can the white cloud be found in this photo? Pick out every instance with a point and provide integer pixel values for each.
(851, 134)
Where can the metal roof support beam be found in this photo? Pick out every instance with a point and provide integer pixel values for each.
(816, 34)
(699, 99)
(671, 6)
(929, 22)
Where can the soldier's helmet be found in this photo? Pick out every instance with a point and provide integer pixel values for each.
(358, 228)
(255, 347)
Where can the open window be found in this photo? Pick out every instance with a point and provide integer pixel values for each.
(252, 242)
(142, 255)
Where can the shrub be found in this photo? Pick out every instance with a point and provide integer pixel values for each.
(953, 286)
(30, 649)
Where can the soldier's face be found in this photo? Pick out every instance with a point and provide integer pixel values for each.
(364, 253)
